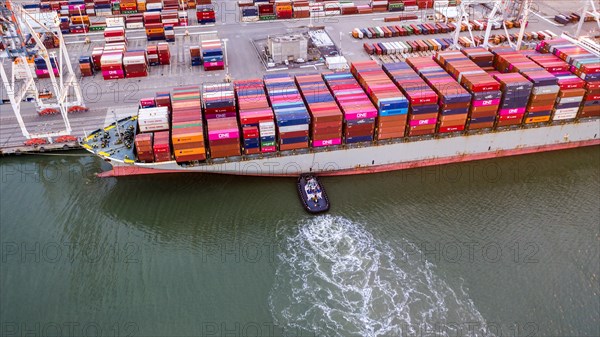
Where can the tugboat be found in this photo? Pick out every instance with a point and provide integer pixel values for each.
(312, 195)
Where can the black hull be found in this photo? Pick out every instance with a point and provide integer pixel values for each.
(310, 206)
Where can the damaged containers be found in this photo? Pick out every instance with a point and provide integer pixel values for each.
(143, 147)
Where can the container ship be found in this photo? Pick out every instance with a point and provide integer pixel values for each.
(456, 106)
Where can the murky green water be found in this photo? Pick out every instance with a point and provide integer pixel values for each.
(503, 247)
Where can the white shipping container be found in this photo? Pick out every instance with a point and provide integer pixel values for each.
(134, 60)
(294, 128)
(135, 25)
(115, 21)
(154, 6)
(565, 100)
(547, 89)
(156, 111)
(155, 127)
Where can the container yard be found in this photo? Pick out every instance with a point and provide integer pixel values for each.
(204, 133)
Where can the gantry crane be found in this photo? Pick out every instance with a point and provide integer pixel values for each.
(66, 89)
(502, 10)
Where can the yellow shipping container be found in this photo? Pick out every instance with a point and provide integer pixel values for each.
(188, 152)
(182, 139)
(154, 31)
(537, 119)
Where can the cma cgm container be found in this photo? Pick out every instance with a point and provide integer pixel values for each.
(326, 117)
(423, 101)
(153, 119)
(291, 116)
(454, 99)
(485, 90)
(218, 100)
(359, 113)
(187, 128)
(392, 106)
(255, 116)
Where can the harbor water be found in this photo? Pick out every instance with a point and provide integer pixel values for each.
(503, 247)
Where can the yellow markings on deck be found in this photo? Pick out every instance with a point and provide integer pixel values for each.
(102, 153)
(129, 161)
(90, 137)
(87, 146)
(109, 127)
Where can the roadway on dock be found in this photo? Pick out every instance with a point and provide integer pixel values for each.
(121, 96)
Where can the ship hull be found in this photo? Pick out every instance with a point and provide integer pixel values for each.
(391, 156)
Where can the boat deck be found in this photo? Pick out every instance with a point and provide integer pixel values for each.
(112, 146)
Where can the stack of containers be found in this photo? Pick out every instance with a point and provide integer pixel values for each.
(153, 119)
(164, 54)
(223, 137)
(96, 55)
(163, 99)
(195, 55)
(152, 54)
(143, 147)
(256, 116)
(516, 90)
(571, 87)
(128, 6)
(283, 9)
(154, 26)
(114, 34)
(249, 14)
(359, 112)
(154, 5)
(205, 14)
(481, 57)
(135, 64)
(218, 101)
(545, 85)
(212, 55)
(161, 146)
(583, 64)
(301, 9)
(454, 99)
(266, 11)
(187, 131)
(423, 107)
(111, 64)
(484, 88)
(85, 66)
(392, 106)
(326, 117)
(41, 69)
(291, 116)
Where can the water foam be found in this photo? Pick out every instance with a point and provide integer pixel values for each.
(334, 278)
